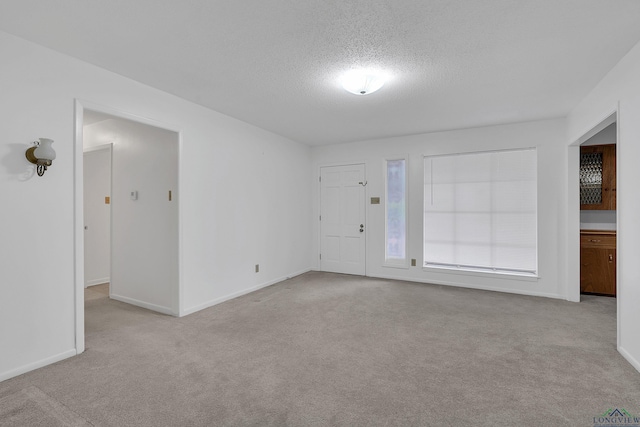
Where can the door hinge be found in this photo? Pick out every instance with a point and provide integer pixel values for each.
(320, 256)
(320, 217)
(319, 179)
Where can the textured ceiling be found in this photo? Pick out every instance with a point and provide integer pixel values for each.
(276, 64)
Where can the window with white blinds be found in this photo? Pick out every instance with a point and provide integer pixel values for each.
(480, 211)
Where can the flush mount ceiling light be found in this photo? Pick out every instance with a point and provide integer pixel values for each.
(362, 82)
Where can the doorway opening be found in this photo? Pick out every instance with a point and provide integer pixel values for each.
(584, 223)
(598, 221)
(127, 224)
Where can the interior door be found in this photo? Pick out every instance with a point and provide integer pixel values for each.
(342, 219)
(97, 216)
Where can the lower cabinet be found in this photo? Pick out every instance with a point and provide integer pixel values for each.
(598, 262)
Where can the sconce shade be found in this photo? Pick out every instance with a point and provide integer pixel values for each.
(44, 151)
(360, 82)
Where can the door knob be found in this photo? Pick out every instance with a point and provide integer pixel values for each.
(361, 228)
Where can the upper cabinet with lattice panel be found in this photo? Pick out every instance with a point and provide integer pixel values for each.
(598, 177)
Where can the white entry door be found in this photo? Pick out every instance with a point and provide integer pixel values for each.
(342, 219)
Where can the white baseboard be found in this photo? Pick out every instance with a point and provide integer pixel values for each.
(97, 282)
(220, 300)
(630, 358)
(148, 306)
(468, 286)
(35, 365)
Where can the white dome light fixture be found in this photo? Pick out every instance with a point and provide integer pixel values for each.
(362, 82)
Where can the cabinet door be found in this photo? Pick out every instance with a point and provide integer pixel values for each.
(598, 271)
(598, 177)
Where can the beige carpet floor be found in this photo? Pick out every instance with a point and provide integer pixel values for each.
(327, 349)
(96, 292)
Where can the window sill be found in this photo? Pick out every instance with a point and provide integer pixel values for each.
(481, 273)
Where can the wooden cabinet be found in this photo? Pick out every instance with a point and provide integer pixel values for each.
(598, 262)
(598, 177)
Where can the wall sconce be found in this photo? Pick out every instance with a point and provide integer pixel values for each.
(41, 155)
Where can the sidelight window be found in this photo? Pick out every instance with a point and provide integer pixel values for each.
(396, 212)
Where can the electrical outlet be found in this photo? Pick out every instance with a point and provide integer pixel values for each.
(257, 268)
(413, 262)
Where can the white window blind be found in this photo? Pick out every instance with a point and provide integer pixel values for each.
(480, 211)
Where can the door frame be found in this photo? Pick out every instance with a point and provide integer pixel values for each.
(78, 209)
(319, 200)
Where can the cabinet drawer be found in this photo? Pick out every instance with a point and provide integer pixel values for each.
(598, 241)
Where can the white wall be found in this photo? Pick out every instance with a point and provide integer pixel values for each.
(97, 216)
(244, 199)
(597, 220)
(144, 267)
(619, 90)
(547, 136)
